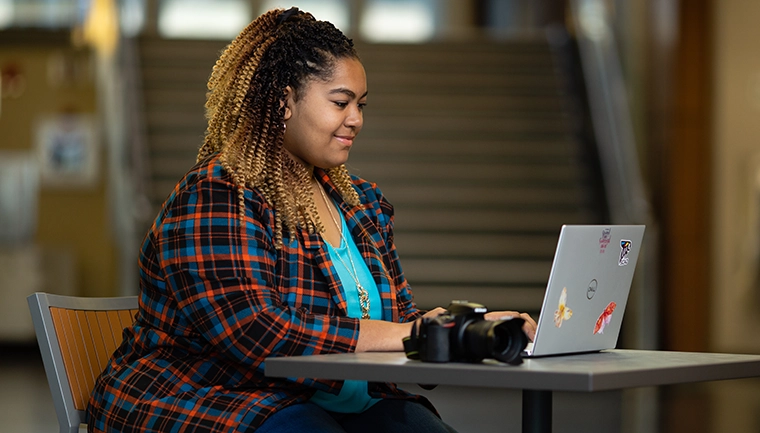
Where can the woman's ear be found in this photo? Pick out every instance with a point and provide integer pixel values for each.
(287, 101)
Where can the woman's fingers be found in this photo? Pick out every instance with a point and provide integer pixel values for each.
(529, 327)
(437, 311)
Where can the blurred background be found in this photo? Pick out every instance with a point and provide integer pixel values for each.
(490, 124)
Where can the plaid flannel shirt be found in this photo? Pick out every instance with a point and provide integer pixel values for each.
(216, 299)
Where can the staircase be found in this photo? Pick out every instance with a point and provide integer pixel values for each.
(472, 143)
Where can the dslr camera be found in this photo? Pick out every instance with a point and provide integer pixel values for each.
(462, 334)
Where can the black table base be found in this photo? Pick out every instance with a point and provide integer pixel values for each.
(536, 411)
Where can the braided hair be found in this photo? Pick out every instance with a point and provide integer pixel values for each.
(245, 111)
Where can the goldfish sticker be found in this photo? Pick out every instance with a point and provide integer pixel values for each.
(562, 313)
(604, 318)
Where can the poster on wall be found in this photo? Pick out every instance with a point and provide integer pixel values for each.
(68, 151)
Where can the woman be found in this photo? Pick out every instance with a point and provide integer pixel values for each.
(268, 247)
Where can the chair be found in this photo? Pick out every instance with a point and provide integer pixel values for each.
(77, 336)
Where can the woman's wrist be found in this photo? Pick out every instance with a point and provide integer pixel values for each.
(382, 336)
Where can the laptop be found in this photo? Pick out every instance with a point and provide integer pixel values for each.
(587, 289)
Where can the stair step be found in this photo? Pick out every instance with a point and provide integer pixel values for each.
(476, 271)
(453, 56)
(180, 73)
(383, 101)
(475, 245)
(457, 148)
(492, 220)
(382, 148)
(421, 197)
(495, 81)
(400, 174)
(478, 172)
(396, 55)
(526, 298)
(496, 196)
(466, 123)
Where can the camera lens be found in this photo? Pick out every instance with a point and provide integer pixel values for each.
(503, 340)
(509, 341)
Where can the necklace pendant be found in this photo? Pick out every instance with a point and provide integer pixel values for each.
(363, 300)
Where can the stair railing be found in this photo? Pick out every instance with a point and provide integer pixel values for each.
(121, 111)
(616, 144)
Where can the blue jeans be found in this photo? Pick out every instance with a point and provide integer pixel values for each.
(386, 416)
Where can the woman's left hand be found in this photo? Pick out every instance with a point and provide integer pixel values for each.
(437, 311)
(529, 327)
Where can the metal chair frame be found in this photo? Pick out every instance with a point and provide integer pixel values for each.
(77, 336)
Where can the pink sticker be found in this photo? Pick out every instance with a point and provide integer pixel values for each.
(604, 318)
(605, 240)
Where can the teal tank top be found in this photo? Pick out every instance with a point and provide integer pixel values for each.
(353, 397)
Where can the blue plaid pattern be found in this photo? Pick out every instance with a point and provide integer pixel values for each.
(216, 299)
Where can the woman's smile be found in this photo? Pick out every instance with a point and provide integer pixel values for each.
(348, 140)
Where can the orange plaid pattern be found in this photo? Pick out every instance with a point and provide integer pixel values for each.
(216, 299)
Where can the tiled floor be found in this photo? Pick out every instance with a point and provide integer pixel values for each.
(25, 402)
(730, 406)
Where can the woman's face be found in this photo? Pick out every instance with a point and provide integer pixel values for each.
(322, 122)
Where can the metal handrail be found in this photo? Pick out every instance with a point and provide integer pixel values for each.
(121, 110)
(136, 151)
(616, 144)
(610, 113)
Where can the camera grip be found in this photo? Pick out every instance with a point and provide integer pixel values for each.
(434, 344)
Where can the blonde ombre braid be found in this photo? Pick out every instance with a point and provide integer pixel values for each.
(245, 112)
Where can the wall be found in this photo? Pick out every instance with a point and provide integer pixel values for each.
(73, 223)
(736, 165)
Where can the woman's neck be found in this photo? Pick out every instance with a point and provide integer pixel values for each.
(309, 168)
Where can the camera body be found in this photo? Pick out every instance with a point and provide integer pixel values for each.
(463, 334)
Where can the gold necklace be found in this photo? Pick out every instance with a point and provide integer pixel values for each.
(363, 294)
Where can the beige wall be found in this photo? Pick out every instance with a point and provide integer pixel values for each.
(736, 163)
(72, 221)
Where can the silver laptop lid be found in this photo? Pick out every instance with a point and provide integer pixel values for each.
(587, 289)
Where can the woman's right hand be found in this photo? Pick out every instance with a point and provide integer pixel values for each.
(381, 336)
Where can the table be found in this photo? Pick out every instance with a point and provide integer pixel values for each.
(537, 377)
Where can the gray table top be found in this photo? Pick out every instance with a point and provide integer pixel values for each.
(606, 370)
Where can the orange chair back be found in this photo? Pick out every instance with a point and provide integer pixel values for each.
(87, 340)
